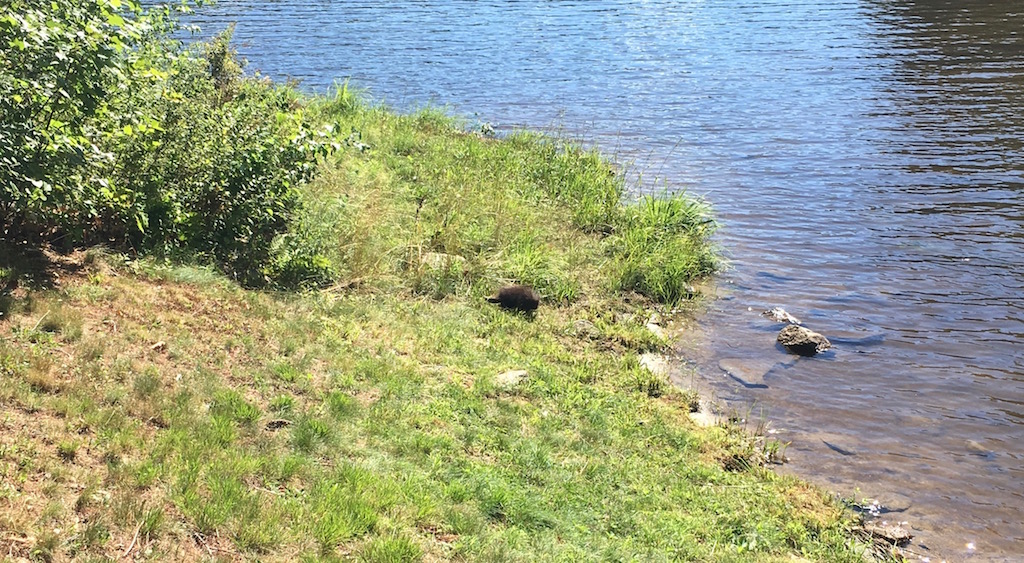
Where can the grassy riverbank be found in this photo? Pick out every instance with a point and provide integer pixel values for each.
(297, 362)
(167, 412)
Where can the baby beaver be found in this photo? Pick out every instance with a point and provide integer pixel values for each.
(518, 297)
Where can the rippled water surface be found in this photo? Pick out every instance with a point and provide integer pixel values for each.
(864, 157)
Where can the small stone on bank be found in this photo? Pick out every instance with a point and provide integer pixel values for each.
(511, 378)
(585, 329)
(657, 330)
(655, 363)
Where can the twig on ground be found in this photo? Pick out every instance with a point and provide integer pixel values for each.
(135, 538)
(40, 321)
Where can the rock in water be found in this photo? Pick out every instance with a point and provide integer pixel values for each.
(518, 297)
(779, 315)
(805, 342)
(894, 534)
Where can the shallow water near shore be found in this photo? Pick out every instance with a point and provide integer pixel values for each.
(864, 157)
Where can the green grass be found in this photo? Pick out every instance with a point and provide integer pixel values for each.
(398, 444)
(168, 406)
(663, 246)
(417, 204)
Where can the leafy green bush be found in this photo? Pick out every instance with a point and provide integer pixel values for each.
(218, 178)
(116, 135)
(64, 67)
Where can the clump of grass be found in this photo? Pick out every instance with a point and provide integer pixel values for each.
(97, 257)
(257, 530)
(436, 275)
(651, 384)
(575, 177)
(67, 450)
(95, 535)
(7, 275)
(339, 513)
(344, 99)
(310, 433)
(533, 262)
(150, 522)
(147, 383)
(662, 246)
(391, 549)
(146, 474)
(691, 398)
(231, 405)
(91, 349)
(46, 546)
(341, 405)
(286, 372)
(57, 319)
(40, 375)
(774, 451)
(282, 404)
(309, 255)
(627, 331)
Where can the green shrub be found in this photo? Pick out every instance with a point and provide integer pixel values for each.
(111, 133)
(64, 68)
(219, 179)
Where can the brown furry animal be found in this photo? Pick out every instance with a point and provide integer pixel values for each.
(519, 297)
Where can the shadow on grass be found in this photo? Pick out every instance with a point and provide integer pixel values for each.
(28, 267)
(5, 305)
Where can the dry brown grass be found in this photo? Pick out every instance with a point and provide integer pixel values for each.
(100, 430)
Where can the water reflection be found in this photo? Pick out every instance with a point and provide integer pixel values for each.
(864, 156)
(959, 84)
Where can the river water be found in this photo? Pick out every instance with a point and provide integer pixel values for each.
(865, 159)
